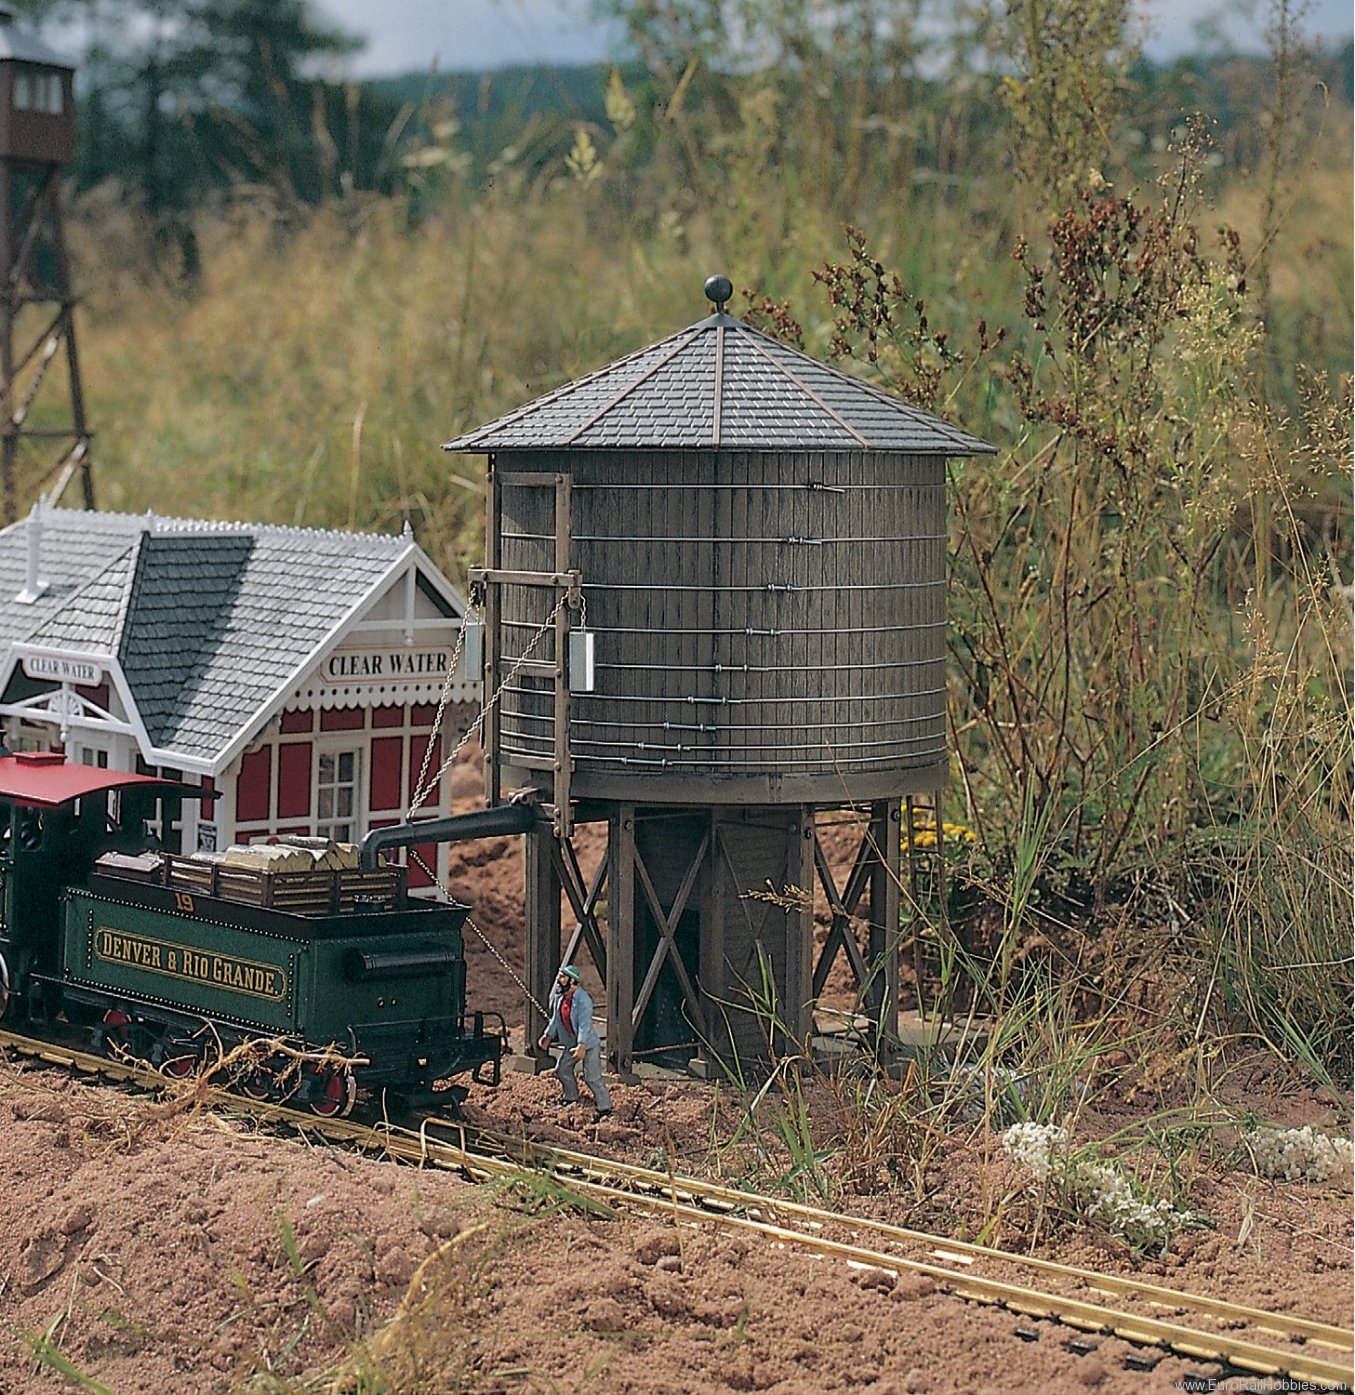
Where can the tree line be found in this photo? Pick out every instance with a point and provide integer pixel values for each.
(181, 101)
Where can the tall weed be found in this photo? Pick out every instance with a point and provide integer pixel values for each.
(1150, 636)
(1150, 640)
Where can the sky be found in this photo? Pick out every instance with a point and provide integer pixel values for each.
(407, 35)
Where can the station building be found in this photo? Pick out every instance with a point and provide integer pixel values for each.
(297, 672)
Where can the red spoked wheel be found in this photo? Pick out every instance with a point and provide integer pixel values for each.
(115, 1038)
(254, 1075)
(332, 1092)
(256, 1083)
(181, 1065)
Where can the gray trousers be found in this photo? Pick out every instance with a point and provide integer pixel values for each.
(565, 1069)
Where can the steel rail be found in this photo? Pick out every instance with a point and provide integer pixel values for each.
(688, 1188)
(681, 1198)
(1139, 1330)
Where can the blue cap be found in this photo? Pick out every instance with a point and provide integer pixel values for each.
(569, 971)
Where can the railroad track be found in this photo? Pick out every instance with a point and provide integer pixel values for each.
(1146, 1315)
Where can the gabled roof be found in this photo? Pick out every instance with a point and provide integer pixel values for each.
(15, 44)
(185, 593)
(720, 384)
(211, 624)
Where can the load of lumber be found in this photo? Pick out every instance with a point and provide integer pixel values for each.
(305, 876)
(294, 855)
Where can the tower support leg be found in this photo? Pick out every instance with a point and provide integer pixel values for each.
(543, 932)
(621, 940)
(884, 936)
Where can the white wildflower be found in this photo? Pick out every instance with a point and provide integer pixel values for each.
(1099, 1192)
(1299, 1155)
(1033, 1146)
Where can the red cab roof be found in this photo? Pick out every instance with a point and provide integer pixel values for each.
(43, 780)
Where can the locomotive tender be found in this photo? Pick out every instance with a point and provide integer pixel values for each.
(171, 959)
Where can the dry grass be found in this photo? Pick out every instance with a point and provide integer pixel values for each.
(1149, 666)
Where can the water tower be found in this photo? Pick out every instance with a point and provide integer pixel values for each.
(714, 607)
(42, 449)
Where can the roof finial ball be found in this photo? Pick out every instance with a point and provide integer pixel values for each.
(718, 290)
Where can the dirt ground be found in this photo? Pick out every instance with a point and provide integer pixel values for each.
(145, 1250)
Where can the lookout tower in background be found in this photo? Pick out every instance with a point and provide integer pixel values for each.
(44, 443)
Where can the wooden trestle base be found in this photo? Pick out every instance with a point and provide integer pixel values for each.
(700, 925)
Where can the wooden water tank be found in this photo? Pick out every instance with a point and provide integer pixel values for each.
(768, 625)
(714, 604)
(761, 545)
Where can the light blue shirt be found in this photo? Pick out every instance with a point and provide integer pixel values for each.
(580, 1016)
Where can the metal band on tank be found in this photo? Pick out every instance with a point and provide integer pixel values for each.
(709, 485)
(745, 702)
(758, 668)
(740, 726)
(528, 737)
(891, 743)
(742, 633)
(723, 541)
(709, 761)
(826, 767)
(601, 589)
(720, 756)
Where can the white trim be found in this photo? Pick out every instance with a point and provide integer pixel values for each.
(424, 563)
(412, 556)
(190, 765)
(20, 650)
(64, 668)
(424, 624)
(313, 698)
(358, 744)
(114, 677)
(299, 690)
(35, 710)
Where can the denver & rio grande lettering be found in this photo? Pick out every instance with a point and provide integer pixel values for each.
(185, 962)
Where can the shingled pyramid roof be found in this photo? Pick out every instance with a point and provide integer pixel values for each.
(720, 384)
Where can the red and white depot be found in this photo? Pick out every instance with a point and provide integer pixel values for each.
(298, 674)
(334, 771)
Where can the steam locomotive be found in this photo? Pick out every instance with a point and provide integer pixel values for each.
(317, 984)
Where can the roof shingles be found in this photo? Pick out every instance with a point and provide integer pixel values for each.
(207, 621)
(770, 397)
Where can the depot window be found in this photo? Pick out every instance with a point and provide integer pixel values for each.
(337, 775)
(39, 91)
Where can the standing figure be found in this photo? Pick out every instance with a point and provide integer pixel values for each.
(571, 1024)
